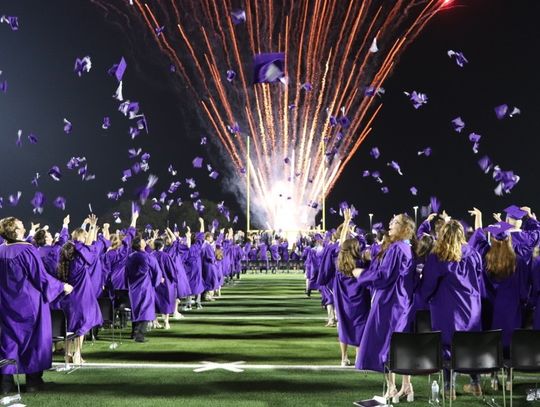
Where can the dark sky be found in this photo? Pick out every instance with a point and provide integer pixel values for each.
(500, 38)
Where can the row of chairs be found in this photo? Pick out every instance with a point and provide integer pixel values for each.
(420, 353)
(272, 265)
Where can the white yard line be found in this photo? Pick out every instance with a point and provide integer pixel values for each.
(254, 318)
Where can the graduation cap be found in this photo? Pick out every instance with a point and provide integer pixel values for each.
(499, 230)
(515, 212)
(268, 67)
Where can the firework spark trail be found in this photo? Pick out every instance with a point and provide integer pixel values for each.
(298, 153)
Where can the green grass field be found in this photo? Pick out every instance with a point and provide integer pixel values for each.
(262, 320)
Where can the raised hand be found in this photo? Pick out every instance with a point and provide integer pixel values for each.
(66, 220)
(497, 216)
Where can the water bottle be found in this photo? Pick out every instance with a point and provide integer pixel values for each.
(435, 393)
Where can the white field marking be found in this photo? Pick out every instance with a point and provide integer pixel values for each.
(206, 366)
(255, 318)
(227, 296)
(230, 367)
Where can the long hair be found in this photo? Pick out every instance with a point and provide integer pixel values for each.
(40, 238)
(67, 254)
(349, 252)
(450, 241)
(424, 246)
(8, 228)
(219, 253)
(116, 241)
(406, 231)
(501, 258)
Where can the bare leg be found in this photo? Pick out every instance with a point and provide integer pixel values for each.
(344, 357)
(167, 325)
(391, 390)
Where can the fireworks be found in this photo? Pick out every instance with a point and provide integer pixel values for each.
(306, 125)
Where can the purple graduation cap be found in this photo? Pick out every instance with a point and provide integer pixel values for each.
(344, 120)
(75, 162)
(214, 175)
(32, 138)
(394, 165)
(12, 21)
(145, 192)
(115, 195)
(231, 75)
(234, 129)
(366, 173)
(67, 126)
(268, 67)
(238, 16)
(126, 174)
(198, 205)
(515, 212)
(308, 87)
(106, 123)
(34, 181)
(332, 211)
(499, 230)
(507, 180)
(514, 112)
(418, 99)
(159, 30)
(38, 202)
(194, 195)
(116, 217)
(156, 205)
(82, 65)
(1, 202)
(14, 199)
(191, 183)
(414, 191)
(501, 111)
(145, 157)
(197, 162)
(385, 190)
(18, 143)
(3, 86)
(458, 124)
(372, 91)
(118, 69)
(55, 173)
(129, 109)
(426, 151)
(235, 219)
(485, 163)
(171, 170)
(132, 152)
(179, 201)
(459, 57)
(375, 153)
(60, 203)
(203, 141)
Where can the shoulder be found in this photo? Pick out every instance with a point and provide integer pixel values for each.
(469, 252)
(401, 248)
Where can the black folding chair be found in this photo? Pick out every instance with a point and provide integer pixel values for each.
(416, 354)
(108, 313)
(122, 307)
(477, 353)
(60, 333)
(524, 354)
(16, 397)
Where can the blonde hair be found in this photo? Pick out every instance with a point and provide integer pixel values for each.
(8, 228)
(501, 258)
(405, 232)
(450, 240)
(349, 252)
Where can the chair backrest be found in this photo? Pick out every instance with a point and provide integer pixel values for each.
(422, 321)
(525, 350)
(415, 353)
(58, 320)
(477, 351)
(106, 308)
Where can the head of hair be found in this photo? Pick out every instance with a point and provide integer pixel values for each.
(436, 224)
(449, 242)
(349, 253)
(67, 254)
(337, 233)
(116, 241)
(208, 235)
(159, 244)
(405, 231)
(136, 243)
(77, 234)
(40, 238)
(370, 238)
(219, 253)
(501, 258)
(424, 246)
(8, 228)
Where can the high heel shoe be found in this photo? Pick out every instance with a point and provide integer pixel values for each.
(391, 393)
(407, 392)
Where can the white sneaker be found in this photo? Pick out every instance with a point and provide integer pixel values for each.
(345, 363)
(177, 315)
(167, 326)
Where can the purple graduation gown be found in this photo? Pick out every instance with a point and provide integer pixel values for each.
(327, 273)
(25, 317)
(114, 262)
(178, 252)
(505, 299)
(453, 290)
(194, 268)
(97, 271)
(143, 275)
(391, 282)
(535, 294)
(51, 254)
(210, 271)
(166, 291)
(81, 306)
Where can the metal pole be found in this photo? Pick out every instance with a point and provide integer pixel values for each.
(415, 214)
(370, 222)
(323, 188)
(248, 171)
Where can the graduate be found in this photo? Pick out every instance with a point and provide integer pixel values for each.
(351, 297)
(392, 284)
(77, 260)
(178, 250)
(143, 276)
(452, 286)
(193, 265)
(506, 276)
(166, 290)
(210, 273)
(326, 276)
(48, 249)
(25, 319)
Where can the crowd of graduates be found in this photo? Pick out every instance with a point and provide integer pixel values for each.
(371, 283)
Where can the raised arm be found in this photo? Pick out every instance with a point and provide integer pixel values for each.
(201, 223)
(477, 215)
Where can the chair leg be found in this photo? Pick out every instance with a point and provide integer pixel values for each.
(504, 387)
(511, 387)
(450, 386)
(441, 378)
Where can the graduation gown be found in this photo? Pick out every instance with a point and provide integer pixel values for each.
(143, 275)
(210, 271)
(453, 290)
(392, 283)
(178, 252)
(194, 268)
(166, 291)
(81, 306)
(114, 263)
(25, 317)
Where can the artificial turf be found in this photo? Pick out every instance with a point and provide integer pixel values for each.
(232, 329)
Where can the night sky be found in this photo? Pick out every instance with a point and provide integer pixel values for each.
(501, 40)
